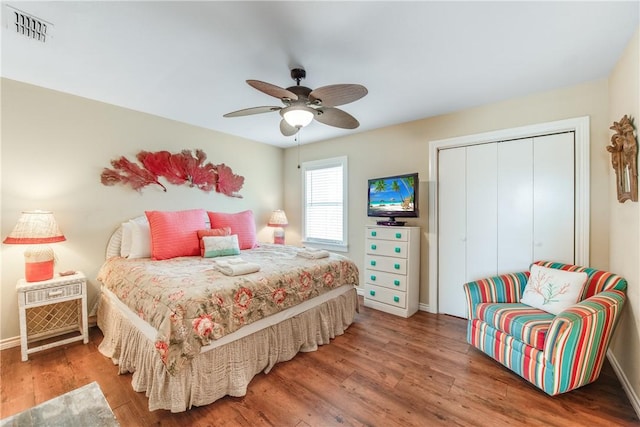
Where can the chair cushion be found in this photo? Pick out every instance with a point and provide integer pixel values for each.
(524, 323)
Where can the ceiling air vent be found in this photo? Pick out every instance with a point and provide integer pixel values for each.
(28, 25)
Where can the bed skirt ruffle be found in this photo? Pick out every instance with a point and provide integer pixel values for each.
(225, 370)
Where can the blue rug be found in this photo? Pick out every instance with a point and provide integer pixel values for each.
(82, 407)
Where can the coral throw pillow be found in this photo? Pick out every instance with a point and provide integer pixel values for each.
(241, 223)
(553, 290)
(175, 234)
(212, 232)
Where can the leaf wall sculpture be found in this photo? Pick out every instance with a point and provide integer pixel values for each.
(183, 168)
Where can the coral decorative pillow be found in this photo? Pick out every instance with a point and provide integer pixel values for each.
(215, 246)
(211, 232)
(241, 223)
(553, 290)
(175, 234)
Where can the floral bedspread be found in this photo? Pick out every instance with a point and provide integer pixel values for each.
(191, 304)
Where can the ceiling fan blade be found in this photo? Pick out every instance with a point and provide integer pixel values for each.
(337, 118)
(333, 95)
(286, 129)
(252, 110)
(273, 90)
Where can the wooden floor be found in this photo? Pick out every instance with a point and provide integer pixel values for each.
(384, 371)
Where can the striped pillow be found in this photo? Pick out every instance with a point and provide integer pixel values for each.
(175, 234)
(241, 223)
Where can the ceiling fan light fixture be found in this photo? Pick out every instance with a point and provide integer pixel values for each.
(298, 117)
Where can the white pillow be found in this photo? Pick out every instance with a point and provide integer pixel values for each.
(553, 290)
(125, 244)
(215, 246)
(140, 238)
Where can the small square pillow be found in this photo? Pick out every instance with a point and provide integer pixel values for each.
(241, 223)
(225, 231)
(553, 290)
(174, 234)
(215, 246)
(140, 238)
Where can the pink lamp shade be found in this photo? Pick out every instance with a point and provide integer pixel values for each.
(36, 228)
(278, 220)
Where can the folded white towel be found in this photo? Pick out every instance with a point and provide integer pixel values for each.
(312, 253)
(235, 268)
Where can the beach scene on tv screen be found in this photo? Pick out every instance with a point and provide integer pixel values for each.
(392, 194)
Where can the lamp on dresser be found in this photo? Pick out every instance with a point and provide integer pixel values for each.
(278, 220)
(37, 228)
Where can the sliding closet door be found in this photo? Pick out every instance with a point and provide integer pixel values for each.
(501, 206)
(553, 198)
(515, 205)
(467, 221)
(451, 230)
(482, 211)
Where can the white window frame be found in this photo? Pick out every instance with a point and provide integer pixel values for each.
(339, 246)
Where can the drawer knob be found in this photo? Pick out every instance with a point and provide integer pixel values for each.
(374, 234)
(398, 235)
(55, 293)
(396, 266)
(373, 247)
(373, 262)
(397, 250)
(396, 299)
(372, 293)
(373, 277)
(396, 282)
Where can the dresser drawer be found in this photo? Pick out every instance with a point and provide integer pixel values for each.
(387, 280)
(388, 264)
(51, 294)
(386, 248)
(387, 233)
(386, 296)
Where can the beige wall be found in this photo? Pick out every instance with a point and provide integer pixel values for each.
(404, 148)
(54, 147)
(624, 242)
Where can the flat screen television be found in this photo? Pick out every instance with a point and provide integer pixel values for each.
(393, 197)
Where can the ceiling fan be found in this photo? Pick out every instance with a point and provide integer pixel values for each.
(302, 105)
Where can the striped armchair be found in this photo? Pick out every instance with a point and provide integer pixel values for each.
(556, 353)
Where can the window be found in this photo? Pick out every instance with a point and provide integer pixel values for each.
(324, 203)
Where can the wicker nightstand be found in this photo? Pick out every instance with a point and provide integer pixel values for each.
(52, 308)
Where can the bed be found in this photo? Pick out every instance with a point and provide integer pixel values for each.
(191, 334)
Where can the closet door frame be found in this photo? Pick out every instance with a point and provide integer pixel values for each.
(580, 127)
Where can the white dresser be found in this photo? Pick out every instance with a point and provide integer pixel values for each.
(392, 269)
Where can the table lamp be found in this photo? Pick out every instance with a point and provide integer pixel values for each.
(279, 221)
(36, 228)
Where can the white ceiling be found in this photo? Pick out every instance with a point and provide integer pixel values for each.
(188, 61)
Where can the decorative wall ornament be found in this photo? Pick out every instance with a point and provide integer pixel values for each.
(624, 159)
(183, 168)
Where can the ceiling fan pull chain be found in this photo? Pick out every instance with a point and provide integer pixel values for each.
(298, 141)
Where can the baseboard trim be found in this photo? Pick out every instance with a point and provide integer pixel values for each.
(9, 343)
(626, 385)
